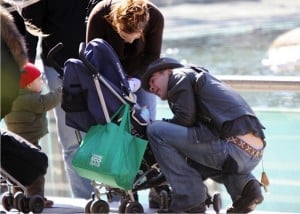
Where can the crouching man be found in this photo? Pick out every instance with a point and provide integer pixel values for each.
(213, 134)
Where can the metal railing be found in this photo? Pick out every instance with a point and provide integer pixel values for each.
(262, 83)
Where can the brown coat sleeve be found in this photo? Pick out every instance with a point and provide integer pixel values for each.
(135, 57)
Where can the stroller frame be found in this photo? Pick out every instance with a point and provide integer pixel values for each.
(129, 199)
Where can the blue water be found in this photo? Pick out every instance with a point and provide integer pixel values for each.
(282, 160)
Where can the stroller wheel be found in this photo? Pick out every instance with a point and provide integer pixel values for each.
(164, 199)
(18, 196)
(8, 201)
(23, 205)
(36, 204)
(134, 207)
(87, 208)
(99, 206)
(217, 202)
(122, 206)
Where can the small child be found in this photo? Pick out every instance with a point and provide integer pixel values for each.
(28, 115)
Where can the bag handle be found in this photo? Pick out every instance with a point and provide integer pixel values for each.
(124, 109)
(124, 112)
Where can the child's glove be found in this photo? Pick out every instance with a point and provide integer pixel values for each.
(134, 84)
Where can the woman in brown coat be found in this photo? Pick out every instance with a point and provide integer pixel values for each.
(134, 29)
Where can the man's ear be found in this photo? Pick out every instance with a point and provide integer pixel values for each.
(169, 71)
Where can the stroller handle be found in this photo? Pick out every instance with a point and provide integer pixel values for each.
(91, 68)
(50, 57)
(81, 49)
(94, 71)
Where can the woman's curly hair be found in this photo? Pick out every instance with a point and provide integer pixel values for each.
(129, 16)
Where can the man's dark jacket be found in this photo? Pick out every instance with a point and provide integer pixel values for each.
(209, 106)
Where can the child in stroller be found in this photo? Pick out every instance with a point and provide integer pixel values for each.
(82, 105)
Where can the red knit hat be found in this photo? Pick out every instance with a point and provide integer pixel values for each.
(29, 74)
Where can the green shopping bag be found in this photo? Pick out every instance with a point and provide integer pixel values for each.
(110, 154)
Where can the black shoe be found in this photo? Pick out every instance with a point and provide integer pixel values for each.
(200, 208)
(251, 196)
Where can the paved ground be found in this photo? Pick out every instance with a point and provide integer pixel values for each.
(71, 206)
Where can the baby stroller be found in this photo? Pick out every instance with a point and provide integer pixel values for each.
(21, 164)
(84, 108)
